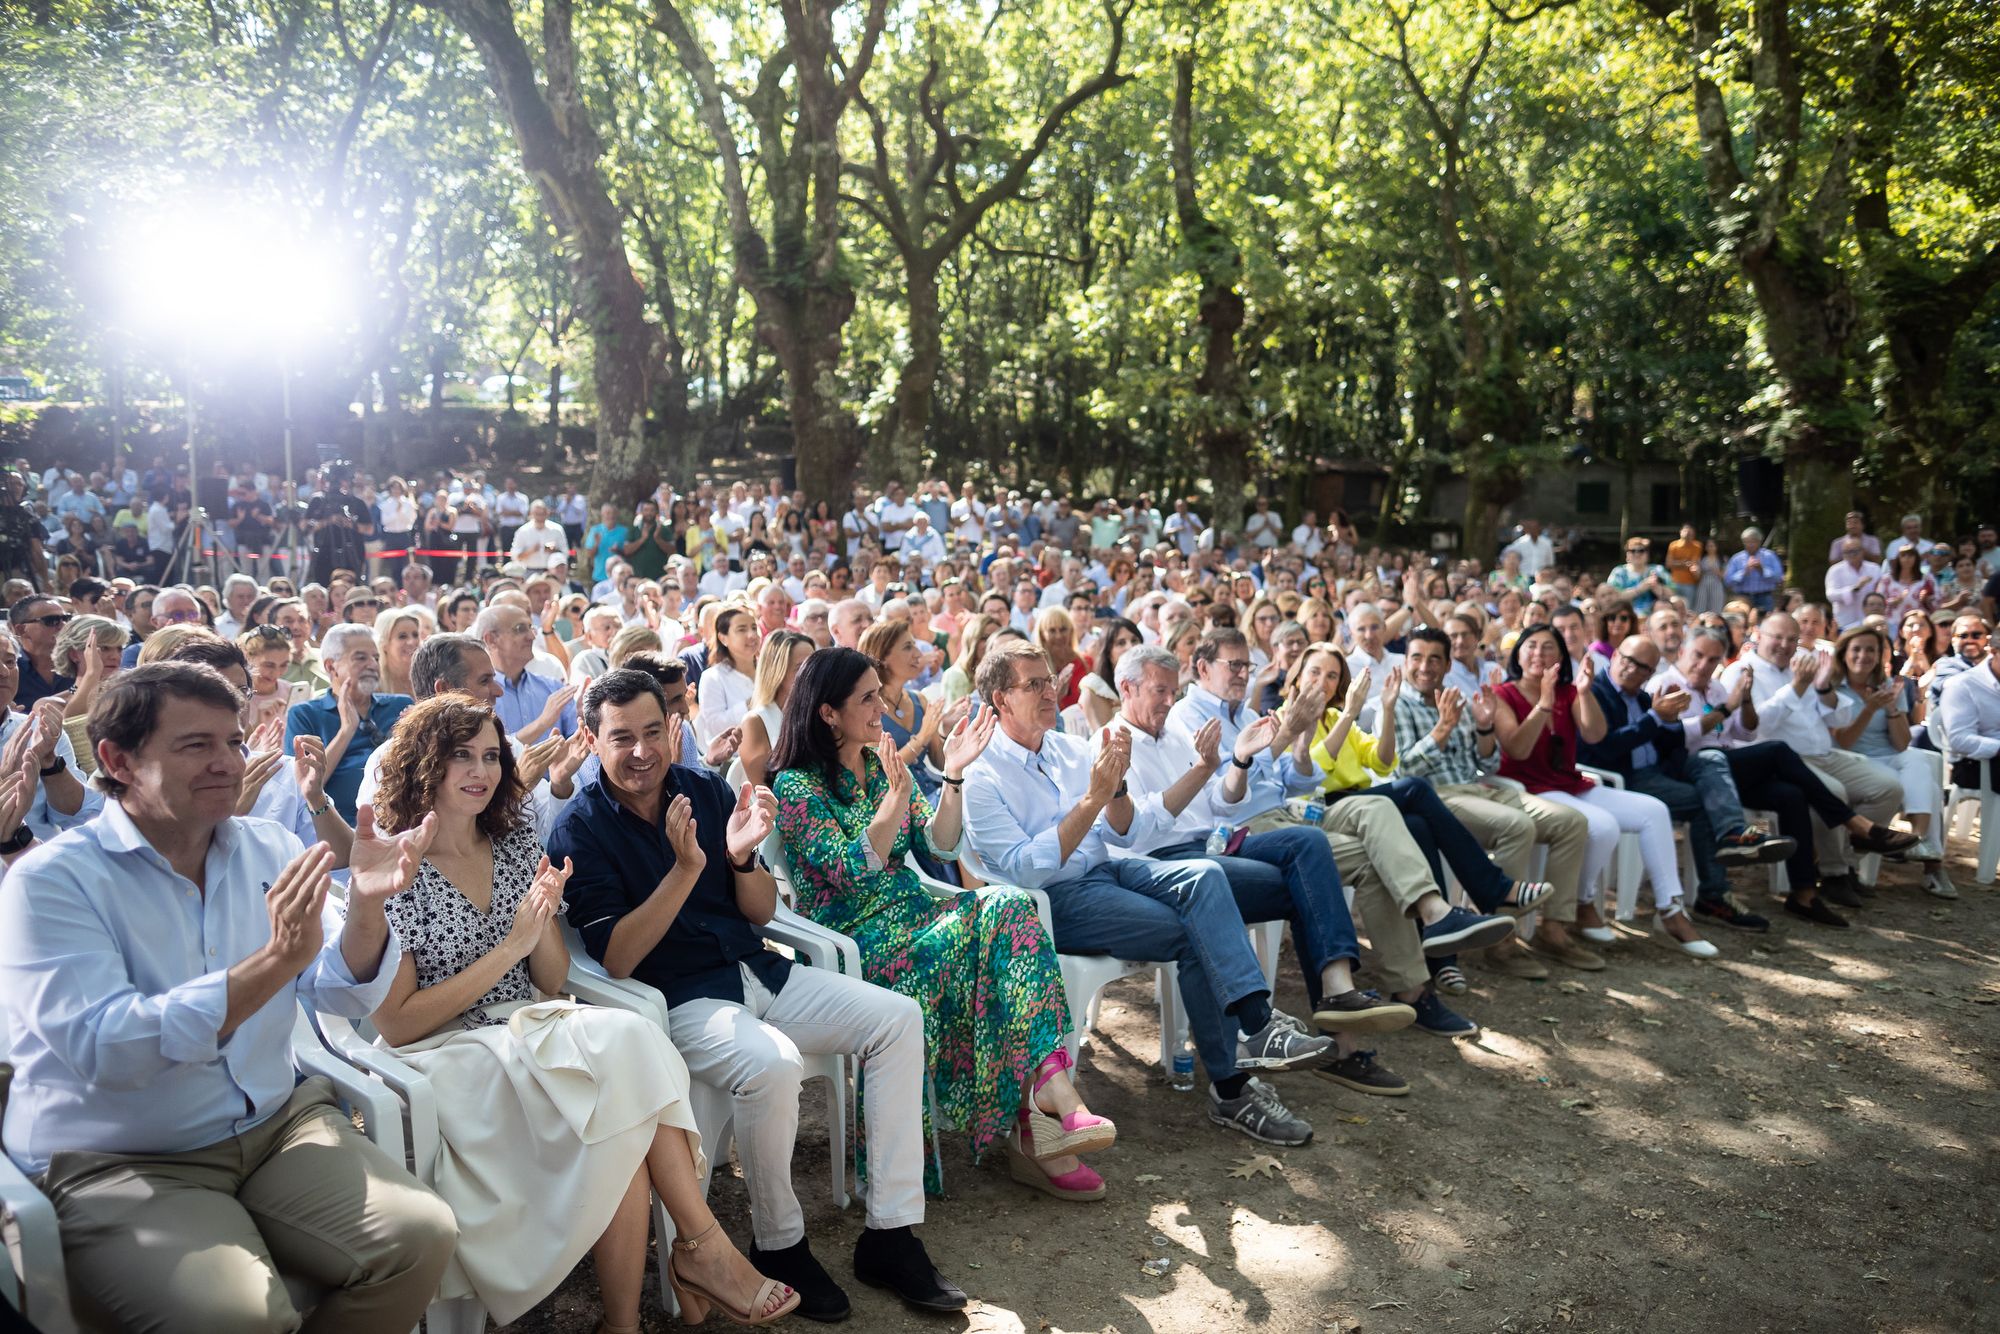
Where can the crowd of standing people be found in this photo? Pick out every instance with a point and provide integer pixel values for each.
(401, 773)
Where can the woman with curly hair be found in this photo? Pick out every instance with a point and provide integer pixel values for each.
(576, 1109)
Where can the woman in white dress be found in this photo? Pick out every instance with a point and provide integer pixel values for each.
(724, 693)
(555, 1118)
(778, 664)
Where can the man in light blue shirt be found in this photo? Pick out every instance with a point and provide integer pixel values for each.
(1755, 573)
(1043, 813)
(151, 965)
(530, 703)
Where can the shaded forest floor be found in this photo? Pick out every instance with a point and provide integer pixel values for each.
(1801, 1134)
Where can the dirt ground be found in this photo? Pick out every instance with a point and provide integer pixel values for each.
(1801, 1134)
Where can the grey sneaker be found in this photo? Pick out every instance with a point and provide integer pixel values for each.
(1258, 1113)
(1281, 1044)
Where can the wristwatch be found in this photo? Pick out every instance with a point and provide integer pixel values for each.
(756, 863)
(21, 838)
(56, 766)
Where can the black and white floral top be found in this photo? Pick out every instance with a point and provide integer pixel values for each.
(444, 934)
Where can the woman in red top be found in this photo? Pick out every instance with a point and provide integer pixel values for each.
(1539, 713)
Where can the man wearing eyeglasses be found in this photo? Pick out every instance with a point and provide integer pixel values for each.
(1971, 640)
(36, 621)
(1644, 743)
(351, 718)
(1043, 812)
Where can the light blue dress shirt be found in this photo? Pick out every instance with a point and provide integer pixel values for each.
(1271, 778)
(1015, 798)
(114, 977)
(521, 702)
(45, 820)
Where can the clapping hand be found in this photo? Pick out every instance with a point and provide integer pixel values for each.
(1254, 739)
(723, 749)
(536, 759)
(1451, 707)
(1107, 771)
(1392, 686)
(1357, 692)
(1670, 704)
(17, 794)
(675, 740)
(897, 772)
(751, 822)
(309, 768)
(536, 909)
(1208, 744)
(256, 773)
(48, 716)
(571, 759)
(379, 867)
(268, 735)
(552, 710)
(1483, 707)
(967, 740)
(1884, 696)
(294, 902)
(682, 835)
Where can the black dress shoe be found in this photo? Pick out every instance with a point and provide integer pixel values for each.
(820, 1298)
(1844, 890)
(1884, 839)
(893, 1258)
(1816, 911)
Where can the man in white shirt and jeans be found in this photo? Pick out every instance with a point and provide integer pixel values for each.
(1042, 812)
(538, 542)
(152, 964)
(1792, 692)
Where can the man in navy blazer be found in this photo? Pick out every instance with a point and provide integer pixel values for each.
(1644, 743)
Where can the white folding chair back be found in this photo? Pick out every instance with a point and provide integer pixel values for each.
(1988, 800)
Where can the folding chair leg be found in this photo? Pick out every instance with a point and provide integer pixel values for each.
(1989, 836)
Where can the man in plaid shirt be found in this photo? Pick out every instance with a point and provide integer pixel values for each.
(1448, 739)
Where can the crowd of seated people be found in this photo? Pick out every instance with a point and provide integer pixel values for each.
(1023, 736)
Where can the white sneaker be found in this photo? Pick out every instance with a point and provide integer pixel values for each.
(1938, 885)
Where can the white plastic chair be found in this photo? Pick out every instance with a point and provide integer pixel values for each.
(40, 1283)
(1988, 799)
(1628, 865)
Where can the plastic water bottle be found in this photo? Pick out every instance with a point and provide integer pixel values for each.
(1182, 1078)
(1311, 810)
(1218, 843)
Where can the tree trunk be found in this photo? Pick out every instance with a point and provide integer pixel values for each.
(560, 150)
(1219, 420)
(909, 419)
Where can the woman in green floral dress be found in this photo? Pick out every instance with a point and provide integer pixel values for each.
(994, 1010)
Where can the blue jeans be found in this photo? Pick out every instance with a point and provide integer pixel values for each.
(1171, 912)
(1438, 832)
(1289, 875)
(1701, 790)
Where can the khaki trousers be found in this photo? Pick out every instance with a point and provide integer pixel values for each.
(1868, 787)
(1508, 824)
(1382, 864)
(196, 1241)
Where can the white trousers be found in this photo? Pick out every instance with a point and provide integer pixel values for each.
(1613, 811)
(752, 1049)
(1917, 771)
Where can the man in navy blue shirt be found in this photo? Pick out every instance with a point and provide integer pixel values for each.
(668, 887)
(351, 718)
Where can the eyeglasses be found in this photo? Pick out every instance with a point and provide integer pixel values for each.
(175, 617)
(267, 632)
(1971, 634)
(52, 620)
(363, 604)
(1036, 685)
(1233, 665)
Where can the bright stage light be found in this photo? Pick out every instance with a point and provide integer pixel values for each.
(220, 274)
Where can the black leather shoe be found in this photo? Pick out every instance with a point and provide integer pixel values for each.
(893, 1258)
(1844, 890)
(1816, 911)
(1885, 839)
(820, 1298)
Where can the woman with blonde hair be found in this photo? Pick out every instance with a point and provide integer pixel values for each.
(267, 652)
(1055, 634)
(1873, 720)
(1321, 624)
(1260, 622)
(87, 654)
(399, 632)
(973, 636)
(633, 639)
(778, 663)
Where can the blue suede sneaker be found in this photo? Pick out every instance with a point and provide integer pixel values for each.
(1434, 1016)
(1462, 929)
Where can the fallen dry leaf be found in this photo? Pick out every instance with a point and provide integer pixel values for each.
(1148, 1178)
(1262, 1165)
